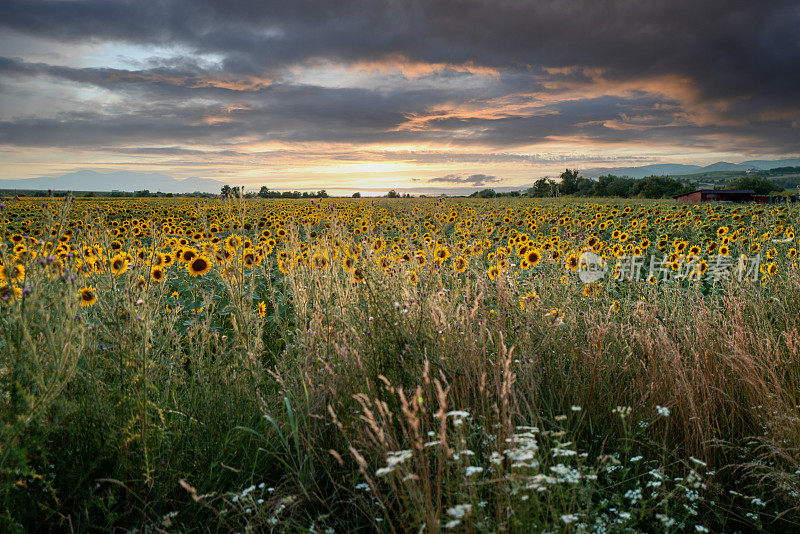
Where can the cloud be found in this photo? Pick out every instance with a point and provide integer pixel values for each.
(474, 82)
(476, 180)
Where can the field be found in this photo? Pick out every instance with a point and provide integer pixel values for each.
(424, 365)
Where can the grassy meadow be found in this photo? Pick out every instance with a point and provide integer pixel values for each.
(419, 365)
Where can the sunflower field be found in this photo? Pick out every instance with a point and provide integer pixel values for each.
(425, 365)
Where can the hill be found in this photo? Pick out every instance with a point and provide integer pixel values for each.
(691, 170)
(115, 181)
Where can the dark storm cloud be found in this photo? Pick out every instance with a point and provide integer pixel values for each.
(717, 73)
(733, 48)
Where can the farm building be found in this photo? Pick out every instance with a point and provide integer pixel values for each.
(716, 195)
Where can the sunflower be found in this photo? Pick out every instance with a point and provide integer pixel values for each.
(534, 257)
(460, 265)
(591, 290)
(357, 276)
(188, 255)
(494, 270)
(119, 264)
(16, 272)
(199, 266)
(412, 276)
(555, 317)
(320, 260)
(441, 253)
(772, 269)
(9, 294)
(262, 309)
(157, 274)
(87, 296)
(531, 298)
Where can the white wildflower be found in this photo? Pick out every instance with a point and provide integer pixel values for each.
(698, 462)
(569, 518)
(395, 458)
(460, 510)
(473, 470)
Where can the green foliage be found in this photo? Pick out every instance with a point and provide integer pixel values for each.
(759, 184)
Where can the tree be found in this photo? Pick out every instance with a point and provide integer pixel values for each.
(585, 187)
(543, 187)
(601, 187)
(569, 182)
(322, 193)
(620, 186)
(486, 193)
(263, 192)
(356, 195)
(225, 191)
(759, 184)
(659, 187)
(393, 194)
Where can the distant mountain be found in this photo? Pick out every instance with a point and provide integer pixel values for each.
(682, 170)
(723, 166)
(115, 181)
(764, 165)
(648, 170)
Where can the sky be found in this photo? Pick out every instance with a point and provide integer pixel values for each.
(349, 94)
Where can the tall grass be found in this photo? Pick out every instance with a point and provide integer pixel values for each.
(394, 406)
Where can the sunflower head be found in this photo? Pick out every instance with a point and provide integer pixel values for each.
(119, 264)
(199, 266)
(188, 255)
(533, 256)
(87, 296)
(157, 274)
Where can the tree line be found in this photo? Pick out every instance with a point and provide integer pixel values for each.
(609, 185)
(265, 192)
